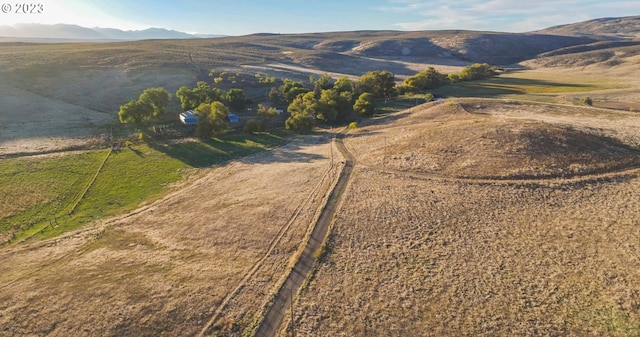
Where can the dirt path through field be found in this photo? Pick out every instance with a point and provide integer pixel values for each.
(298, 275)
(169, 267)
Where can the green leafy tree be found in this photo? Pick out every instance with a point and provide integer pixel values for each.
(202, 93)
(288, 84)
(135, 111)
(428, 97)
(334, 105)
(345, 104)
(213, 118)
(276, 97)
(327, 104)
(188, 99)
(267, 113)
(425, 80)
(300, 123)
(302, 110)
(365, 105)
(206, 94)
(236, 99)
(151, 103)
(380, 83)
(265, 79)
(295, 92)
(158, 98)
(453, 78)
(476, 71)
(324, 82)
(291, 89)
(343, 84)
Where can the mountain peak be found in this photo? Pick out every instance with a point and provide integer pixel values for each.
(79, 33)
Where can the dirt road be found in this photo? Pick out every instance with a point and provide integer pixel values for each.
(281, 303)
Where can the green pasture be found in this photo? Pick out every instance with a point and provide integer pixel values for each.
(525, 84)
(38, 194)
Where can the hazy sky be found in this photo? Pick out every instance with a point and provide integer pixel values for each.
(240, 17)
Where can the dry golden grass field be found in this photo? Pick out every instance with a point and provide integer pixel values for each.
(165, 269)
(485, 218)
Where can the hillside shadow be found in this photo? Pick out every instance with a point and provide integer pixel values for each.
(499, 86)
(534, 82)
(215, 151)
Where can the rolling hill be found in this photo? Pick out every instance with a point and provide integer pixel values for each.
(72, 77)
(624, 28)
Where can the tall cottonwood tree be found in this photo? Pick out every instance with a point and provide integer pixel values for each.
(303, 111)
(365, 105)
(380, 83)
(213, 119)
(151, 103)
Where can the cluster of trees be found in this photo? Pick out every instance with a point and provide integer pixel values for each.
(191, 98)
(213, 119)
(266, 114)
(330, 101)
(151, 103)
(211, 105)
(265, 79)
(323, 99)
(327, 100)
(430, 78)
(223, 76)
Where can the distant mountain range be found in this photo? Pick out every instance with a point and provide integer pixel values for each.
(64, 32)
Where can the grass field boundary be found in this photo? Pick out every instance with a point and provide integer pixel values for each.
(93, 179)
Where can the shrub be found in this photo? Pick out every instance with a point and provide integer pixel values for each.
(587, 101)
(428, 97)
(253, 126)
(353, 125)
(143, 137)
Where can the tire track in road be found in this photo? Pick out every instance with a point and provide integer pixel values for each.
(276, 312)
(260, 263)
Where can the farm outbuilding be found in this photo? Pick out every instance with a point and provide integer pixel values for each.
(189, 118)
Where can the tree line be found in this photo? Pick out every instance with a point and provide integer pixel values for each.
(321, 100)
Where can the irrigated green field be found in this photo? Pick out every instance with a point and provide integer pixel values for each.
(57, 193)
(532, 85)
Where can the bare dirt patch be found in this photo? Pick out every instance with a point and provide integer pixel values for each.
(166, 268)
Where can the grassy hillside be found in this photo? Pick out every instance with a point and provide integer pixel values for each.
(70, 92)
(603, 28)
(461, 221)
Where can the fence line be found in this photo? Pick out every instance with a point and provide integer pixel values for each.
(86, 189)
